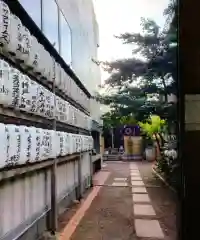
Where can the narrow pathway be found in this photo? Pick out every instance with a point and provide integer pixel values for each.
(119, 207)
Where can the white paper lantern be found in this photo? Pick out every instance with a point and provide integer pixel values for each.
(50, 76)
(33, 59)
(57, 108)
(39, 137)
(62, 110)
(15, 35)
(65, 144)
(52, 147)
(6, 84)
(49, 104)
(68, 85)
(14, 144)
(15, 76)
(70, 143)
(34, 96)
(62, 143)
(62, 80)
(45, 144)
(34, 140)
(25, 149)
(41, 104)
(24, 44)
(57, 75)
(25, 99)
(3, 146)
(65, 109)
(39, 69)
(4, 25)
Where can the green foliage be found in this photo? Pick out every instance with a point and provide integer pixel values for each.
(152, 126)
(155, 71)
(113, 119)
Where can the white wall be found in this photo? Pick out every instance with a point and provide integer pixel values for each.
(82, 21)
(85, 38)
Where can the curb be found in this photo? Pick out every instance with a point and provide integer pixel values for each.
(163, 180)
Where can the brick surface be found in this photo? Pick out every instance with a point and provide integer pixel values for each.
(140, 197)
(139, 190)
(143, 210)
(148, 228)
(137, 183)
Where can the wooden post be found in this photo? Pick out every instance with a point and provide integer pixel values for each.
(189, 121)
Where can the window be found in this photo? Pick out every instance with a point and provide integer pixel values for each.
(33, 8)
(65, 40)
(50, 21)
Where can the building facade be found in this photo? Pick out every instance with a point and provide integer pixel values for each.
(49, 68)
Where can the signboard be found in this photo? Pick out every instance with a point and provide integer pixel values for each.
(130, 130)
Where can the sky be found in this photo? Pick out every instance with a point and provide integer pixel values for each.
(120, 16)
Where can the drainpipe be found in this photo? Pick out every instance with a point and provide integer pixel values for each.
(54, 210)
(79, 188)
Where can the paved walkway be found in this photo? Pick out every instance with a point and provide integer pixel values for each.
(126, 203)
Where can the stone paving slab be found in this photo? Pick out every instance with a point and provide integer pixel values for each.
(135, 174)
(120, 184)
(140, 197)
(136, 178)
(139, 190)
(120, 179)
(144, 210)
(148, 229)
(134, 170)
(137, 183)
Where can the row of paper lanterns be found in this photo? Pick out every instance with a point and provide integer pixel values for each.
(21, 144)
(17, 43)
(20, 92)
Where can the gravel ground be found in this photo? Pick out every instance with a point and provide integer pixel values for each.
(110, 216)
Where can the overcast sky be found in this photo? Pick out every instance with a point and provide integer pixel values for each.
(119, 16)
